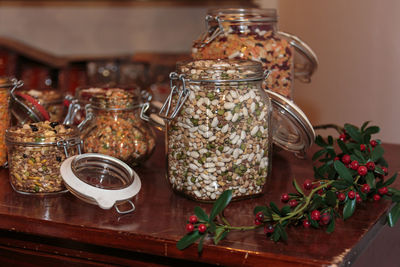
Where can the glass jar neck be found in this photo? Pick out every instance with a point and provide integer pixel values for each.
(244, 15)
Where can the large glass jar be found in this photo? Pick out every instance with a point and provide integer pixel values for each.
(113, 126)
(253, 34)
(35, 154)
(218, 133)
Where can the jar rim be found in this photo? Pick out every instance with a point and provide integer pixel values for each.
(245, 14)
(118, 98)
(223, 70)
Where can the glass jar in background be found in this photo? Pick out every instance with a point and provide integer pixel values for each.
(35, 154)
(113, 126)
(6, 85)
(219, 137)
(235, 33)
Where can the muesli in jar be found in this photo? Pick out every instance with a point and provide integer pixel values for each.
(35, 154)
(252, 34)
(116, 128)
(220, 138)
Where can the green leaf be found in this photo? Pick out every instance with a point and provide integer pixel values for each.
(331, 198)
(298, 188)
(393, 215)
(377, 153)
(316, 202)
(265, 210)
(353, 132)
(382, 162)
(390, 181)
(359, 157)
(330, 140)
(370, 179)
(218, 234)
(394, 191)
(220, 237)
(220, 204)
(365, 124)
(320, 141)
(379, 170)
(274, 208)
(285, 210)
(318, 154)
(200, 213)
(276, 235)
(188, 239)
(212, 227)
(343, 146)
(282, 232)
(349, 208)
(200, 246)
(371, 130)
(340, 184)
(343, 171)
(331, 226)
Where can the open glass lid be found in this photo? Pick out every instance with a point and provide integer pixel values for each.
(291, 128)
(101, 180)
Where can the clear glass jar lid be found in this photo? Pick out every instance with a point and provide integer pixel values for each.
(100, 179)
(291, 128)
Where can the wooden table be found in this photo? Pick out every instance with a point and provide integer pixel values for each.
(63, 230)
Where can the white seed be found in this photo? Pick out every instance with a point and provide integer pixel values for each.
(232, 135)
(209, 165)
(242, 190)
(220, 164)
(226, 148)
(225, 128)
(203, 150)
(192, 135)
(235, 117)
(193, 167)
(229, 98)
(210, 189)
(229, 105)
(192, 96)
(214, 122)
(243, 135)
(213, 196)
(239, 142)
(252, 94)
(254, 130)
(206, 101)
(193, 129)
(211, 170)
(204, 176)
(197, 193)
(203, 128)
(194, 154)
(207, 134)
(198, 112)
(245, 112)
(228, 116)
(236, 153)
(262, 115)
(209, 113)
(212, 138)
(215, 102)
(189, 110)
(233, 94)
(200, 102)
(218, 153)
(252, 107)
(236, 139)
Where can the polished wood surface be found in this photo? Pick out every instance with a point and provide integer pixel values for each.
(55, 229)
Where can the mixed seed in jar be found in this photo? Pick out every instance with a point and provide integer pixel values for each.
(220, 138)
(257, 41)
(35, 154)
(116, 129)
(4, 123)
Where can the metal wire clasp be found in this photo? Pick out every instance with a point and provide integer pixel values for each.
(212, 33)
(182, 93)
(69, 143)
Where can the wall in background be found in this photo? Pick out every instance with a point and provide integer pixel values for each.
(358, 48)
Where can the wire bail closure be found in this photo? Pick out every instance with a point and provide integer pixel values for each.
(218, 31)
(69, 143)
(182, 93)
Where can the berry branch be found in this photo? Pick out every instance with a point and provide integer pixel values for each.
(353, 174)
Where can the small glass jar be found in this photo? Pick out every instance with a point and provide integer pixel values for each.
(220, 134)
(113, 126)
(35, 154)
(236, 33)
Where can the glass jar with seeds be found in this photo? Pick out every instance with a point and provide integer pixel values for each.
(220, 137)
(35, 154)
(237, 33)
(220, 125)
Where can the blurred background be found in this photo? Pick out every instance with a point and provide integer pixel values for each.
(357, 43)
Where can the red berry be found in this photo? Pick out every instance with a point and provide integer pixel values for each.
(257, 221)
(293, 203)
(193, 219)
(346, 159)
(354, 165)
(373, 143)
(383, 191)
(315, 215)
(306, 224)
(342, 137)
(370, 166)
(377, 197)
(365, 188)
(321, 192)
(362, 147)
(336, 158)
(385, 170)
(307, 184)
(269, 229)
(362, 170)
(341, 196)
(285, 198)
(351, 194)
(189, 227)
(358, 198)
(202, 228)
(325, 218)
(260, 216)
